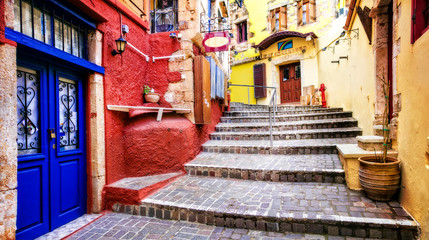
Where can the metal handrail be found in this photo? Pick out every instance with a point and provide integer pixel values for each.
(272, 107)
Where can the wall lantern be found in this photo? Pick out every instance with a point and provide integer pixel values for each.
(120, 46)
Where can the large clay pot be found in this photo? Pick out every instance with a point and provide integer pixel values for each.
(151, 97)
(379, 180)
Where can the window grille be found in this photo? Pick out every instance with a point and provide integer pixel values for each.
(53, 26)
(164, 16)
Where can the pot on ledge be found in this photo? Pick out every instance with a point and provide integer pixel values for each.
(151, 97)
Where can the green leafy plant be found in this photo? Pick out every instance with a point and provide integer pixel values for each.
(146, 89)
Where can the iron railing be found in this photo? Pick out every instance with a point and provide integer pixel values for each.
(272, 107)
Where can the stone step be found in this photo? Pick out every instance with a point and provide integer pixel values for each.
(319, 208)
(286, 126)
(284, 118)
(132, 189)
(280, 107)
(307, 146)
(292, 134)
(288, 168)
(265, 112)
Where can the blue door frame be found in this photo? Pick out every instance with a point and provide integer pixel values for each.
(52, 183)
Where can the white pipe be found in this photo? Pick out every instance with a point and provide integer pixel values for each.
(172, 56)
(147, 57)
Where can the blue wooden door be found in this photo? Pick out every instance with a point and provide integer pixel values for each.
(51, 148)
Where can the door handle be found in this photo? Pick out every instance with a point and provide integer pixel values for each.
(52, 133)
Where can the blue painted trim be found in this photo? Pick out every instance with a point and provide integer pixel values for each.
(209, 6)
(74, 13)
(50, 50)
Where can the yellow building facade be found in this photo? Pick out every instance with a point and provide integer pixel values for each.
(379, 42)
(305, 22)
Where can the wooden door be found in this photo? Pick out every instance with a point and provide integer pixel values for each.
(290, 83)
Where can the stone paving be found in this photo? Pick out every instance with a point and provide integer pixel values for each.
(276, 168)
(295, 186)
(290, 117)
(123, 226)
(69, 228)
(299, 163)
(291, 134)
(137, 183)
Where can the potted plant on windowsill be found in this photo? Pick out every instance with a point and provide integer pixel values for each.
(380, 176)
(150, 95)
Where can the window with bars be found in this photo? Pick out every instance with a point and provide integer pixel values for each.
(420, 18)
(164, 16)
(278, 20)
(242, 32)
(55, 27)
(306, 10)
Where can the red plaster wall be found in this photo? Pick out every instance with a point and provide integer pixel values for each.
(142, 146)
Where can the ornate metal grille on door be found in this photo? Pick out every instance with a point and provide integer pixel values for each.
(28, 112)
(68, 115)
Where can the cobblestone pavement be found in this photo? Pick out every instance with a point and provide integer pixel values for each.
(123, 226)
(305, 201)
(69, 228)
(320, 163)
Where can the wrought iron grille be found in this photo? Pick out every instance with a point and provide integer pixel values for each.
(213, 24)
(28, 112)
(45, 23)
(68, 114)
(164, 17)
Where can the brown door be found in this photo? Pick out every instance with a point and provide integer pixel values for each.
(290, 83)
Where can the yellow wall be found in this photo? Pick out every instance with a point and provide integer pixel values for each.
(242, 74)
(413, 125)
(258, 22)
(350, 84)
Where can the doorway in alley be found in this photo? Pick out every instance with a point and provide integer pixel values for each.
(51, 147)
(290, 83)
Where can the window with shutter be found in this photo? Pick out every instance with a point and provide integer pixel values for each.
(420, 18)
(259, 80)
(242, 32)
(306, 12)
(278, 19)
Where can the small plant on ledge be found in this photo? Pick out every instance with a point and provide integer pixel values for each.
(150, 95)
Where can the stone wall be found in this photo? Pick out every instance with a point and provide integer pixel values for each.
(8, 133)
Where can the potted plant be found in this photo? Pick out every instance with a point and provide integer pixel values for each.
(150, 95)
(380, 176)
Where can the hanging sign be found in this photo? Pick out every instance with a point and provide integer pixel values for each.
(216, 41)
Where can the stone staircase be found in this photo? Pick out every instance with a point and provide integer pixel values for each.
(296, 185)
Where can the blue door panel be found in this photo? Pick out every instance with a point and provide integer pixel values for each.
(30, 198)
(69, 185)
(51, 182)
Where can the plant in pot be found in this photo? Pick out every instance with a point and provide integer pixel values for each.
(380, 176)
(150, 95)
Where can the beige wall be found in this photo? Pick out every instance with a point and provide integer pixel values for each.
(413, 120)
(351, 83)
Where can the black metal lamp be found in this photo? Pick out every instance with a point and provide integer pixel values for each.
(120, 46)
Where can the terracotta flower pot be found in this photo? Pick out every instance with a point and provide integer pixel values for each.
(151, 97)
(379, 180)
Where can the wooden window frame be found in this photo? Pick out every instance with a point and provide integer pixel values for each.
(420, 19)
(282, 19)
(310, 12)
(242, 32)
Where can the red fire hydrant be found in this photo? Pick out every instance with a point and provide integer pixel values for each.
(229, 100)
(322, 90)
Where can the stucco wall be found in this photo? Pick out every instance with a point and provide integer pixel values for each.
(413, 124)
(351, 83)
